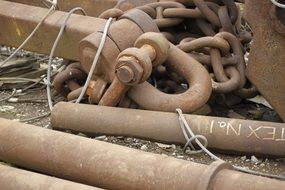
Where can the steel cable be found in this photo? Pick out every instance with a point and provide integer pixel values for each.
(54, 3)
(190, 136)
(47, 80)
(97, 56)
(10, 96)
(276, 3)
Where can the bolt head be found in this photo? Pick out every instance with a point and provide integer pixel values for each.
(128, 70)
(125, 74)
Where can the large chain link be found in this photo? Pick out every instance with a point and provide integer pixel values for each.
(208, 31)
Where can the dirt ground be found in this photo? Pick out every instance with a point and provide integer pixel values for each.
(36, 105)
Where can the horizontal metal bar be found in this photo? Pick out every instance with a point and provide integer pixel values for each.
(17, 21)
(92, 7)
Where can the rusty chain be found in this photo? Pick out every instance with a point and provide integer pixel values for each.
(206, 30)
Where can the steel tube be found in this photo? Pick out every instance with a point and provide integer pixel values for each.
(230, 135)
(18, 21)
(112, 166)
(15, 179)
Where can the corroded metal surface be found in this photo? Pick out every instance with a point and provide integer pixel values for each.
(92, 7)
(147, 18)
(148, 97)
(15, 179)
(115, 167)
(18, 25)
(251, 137)
(267, 58)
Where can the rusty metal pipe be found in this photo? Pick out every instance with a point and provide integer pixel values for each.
(195, 97)
(251, 137)
(112, 166)
(15, 179)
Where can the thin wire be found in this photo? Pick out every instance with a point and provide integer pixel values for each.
(28, 100)
(48, 79)
(186, 128)
(34, 84)
(101, 46)
(17, 79)
(184, 123)
(29, 37)
(10, 96)
(35, 118)
(278, 4)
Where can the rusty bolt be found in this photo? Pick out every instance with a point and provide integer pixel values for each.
(129, 71)
(125, 73)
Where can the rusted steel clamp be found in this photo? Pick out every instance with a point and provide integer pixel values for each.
(135, 21)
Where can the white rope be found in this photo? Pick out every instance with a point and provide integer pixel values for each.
(276, 3)
(47, 80)
(190, 136)
(92, 69)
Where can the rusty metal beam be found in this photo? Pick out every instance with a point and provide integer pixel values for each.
(251, 137)
(15, 179)
(92, 7)
(19, 20)
(112, 166)
(266, 67)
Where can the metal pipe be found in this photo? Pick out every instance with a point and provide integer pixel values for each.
(225, 134)
(15, 179)
(112, 166)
